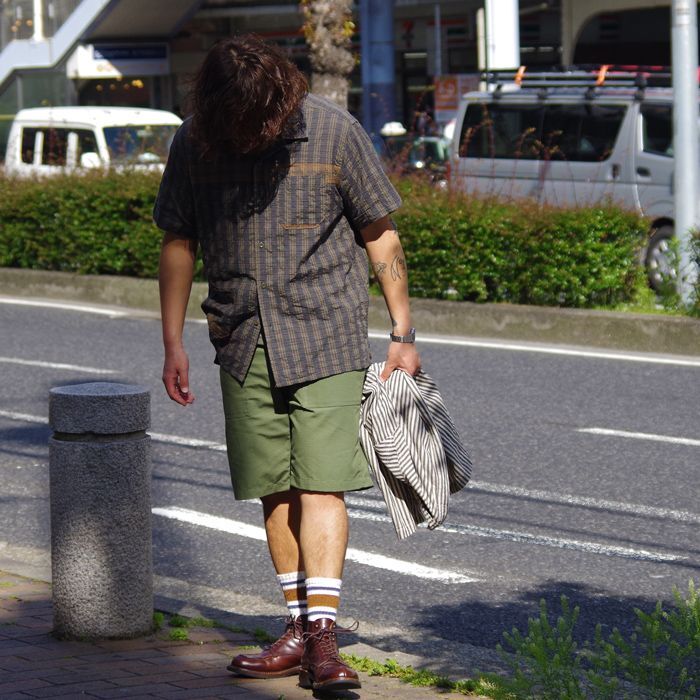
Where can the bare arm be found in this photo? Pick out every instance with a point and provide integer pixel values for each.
(388, 264)
(175, 274)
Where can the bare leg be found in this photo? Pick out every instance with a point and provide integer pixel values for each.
(282, 513)
(323, 533)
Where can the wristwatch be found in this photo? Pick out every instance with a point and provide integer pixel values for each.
(410, 338)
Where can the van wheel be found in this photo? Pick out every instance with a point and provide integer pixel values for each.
(660, 259)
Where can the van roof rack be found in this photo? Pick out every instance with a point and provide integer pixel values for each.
(591, 77)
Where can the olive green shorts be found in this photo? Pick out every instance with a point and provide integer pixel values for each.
(304, 436)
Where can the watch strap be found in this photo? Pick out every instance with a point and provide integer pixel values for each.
(410, 338)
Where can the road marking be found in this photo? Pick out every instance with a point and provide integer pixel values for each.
(24, 417)
(563, 543)
(551, 350)
(188, 442)
(641, 436)
(543, 540)
(566, 499)
(100, 311)
(377, 561)
(55, 365)
(636, 509)
(435, 340)
(682, 516)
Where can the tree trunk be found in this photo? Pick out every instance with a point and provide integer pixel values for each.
(328, 28)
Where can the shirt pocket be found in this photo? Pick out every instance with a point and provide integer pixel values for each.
(308, 200)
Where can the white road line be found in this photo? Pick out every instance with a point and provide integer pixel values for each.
(551, 350)
(55, 365)
(100, 311)
(543, 540)
(641, 436)
(188, 442)
(377, 561)
(563, 543)
(567, 499)
(435, 340)
(372, 504)
(682, 516)
(24, 417)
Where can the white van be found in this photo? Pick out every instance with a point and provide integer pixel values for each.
(53, 140)
(574, 138)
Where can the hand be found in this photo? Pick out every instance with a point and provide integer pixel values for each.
(175, 376)
(401, 356)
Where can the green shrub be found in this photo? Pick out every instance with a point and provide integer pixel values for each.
(96, 224)
(659, 659)
(487, 250)
(457, 247)
(695, 308)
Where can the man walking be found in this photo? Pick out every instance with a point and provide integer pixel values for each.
(287, 199)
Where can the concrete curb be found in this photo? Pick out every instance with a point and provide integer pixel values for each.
(601, 329)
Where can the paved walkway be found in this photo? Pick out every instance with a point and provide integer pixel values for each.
(33, 664)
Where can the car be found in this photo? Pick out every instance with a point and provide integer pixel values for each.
(47, 141)
(405, 153)
(571, 138)
(428, 154)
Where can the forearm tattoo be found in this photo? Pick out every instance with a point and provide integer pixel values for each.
(398, 268)
(379, 268)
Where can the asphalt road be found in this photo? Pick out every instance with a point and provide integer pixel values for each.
(558, 505)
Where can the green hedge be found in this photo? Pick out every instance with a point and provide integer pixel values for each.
(490, 250)
(94, 224)
(457, 247)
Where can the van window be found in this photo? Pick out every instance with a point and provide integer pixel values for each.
(55, 147)
(501, 131)
(87, 143)
(581, 132)
(657, 129)
(139, 144)
(28, 141)
(536, 132)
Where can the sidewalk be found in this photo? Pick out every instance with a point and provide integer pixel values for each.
(33, 664)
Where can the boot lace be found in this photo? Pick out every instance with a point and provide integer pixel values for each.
(292, 629)
(326, 639)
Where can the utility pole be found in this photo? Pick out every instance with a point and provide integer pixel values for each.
(501, 34)
(38, 21)
(684, 41)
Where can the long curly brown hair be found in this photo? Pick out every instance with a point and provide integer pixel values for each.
(245, 96)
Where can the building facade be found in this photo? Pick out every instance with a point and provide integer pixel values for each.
(129, 52)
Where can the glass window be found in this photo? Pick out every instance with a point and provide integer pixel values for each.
(28, 141)
(139, 144)
(657, 129)
(87, 143)
(534, 132)
(502, 131)
(584, 132)
(55, 147)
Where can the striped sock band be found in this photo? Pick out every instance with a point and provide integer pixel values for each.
(323, 595)
(294, 589)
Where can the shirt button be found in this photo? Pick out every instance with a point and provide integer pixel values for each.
(261, 244)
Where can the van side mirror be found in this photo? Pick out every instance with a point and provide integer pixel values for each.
(90, 160)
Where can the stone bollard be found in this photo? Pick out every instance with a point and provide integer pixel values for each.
(100, 480)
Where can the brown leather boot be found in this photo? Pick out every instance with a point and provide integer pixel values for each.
(281, 658)
(321, 665)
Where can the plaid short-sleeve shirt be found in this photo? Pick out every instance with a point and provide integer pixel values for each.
(279, 234)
